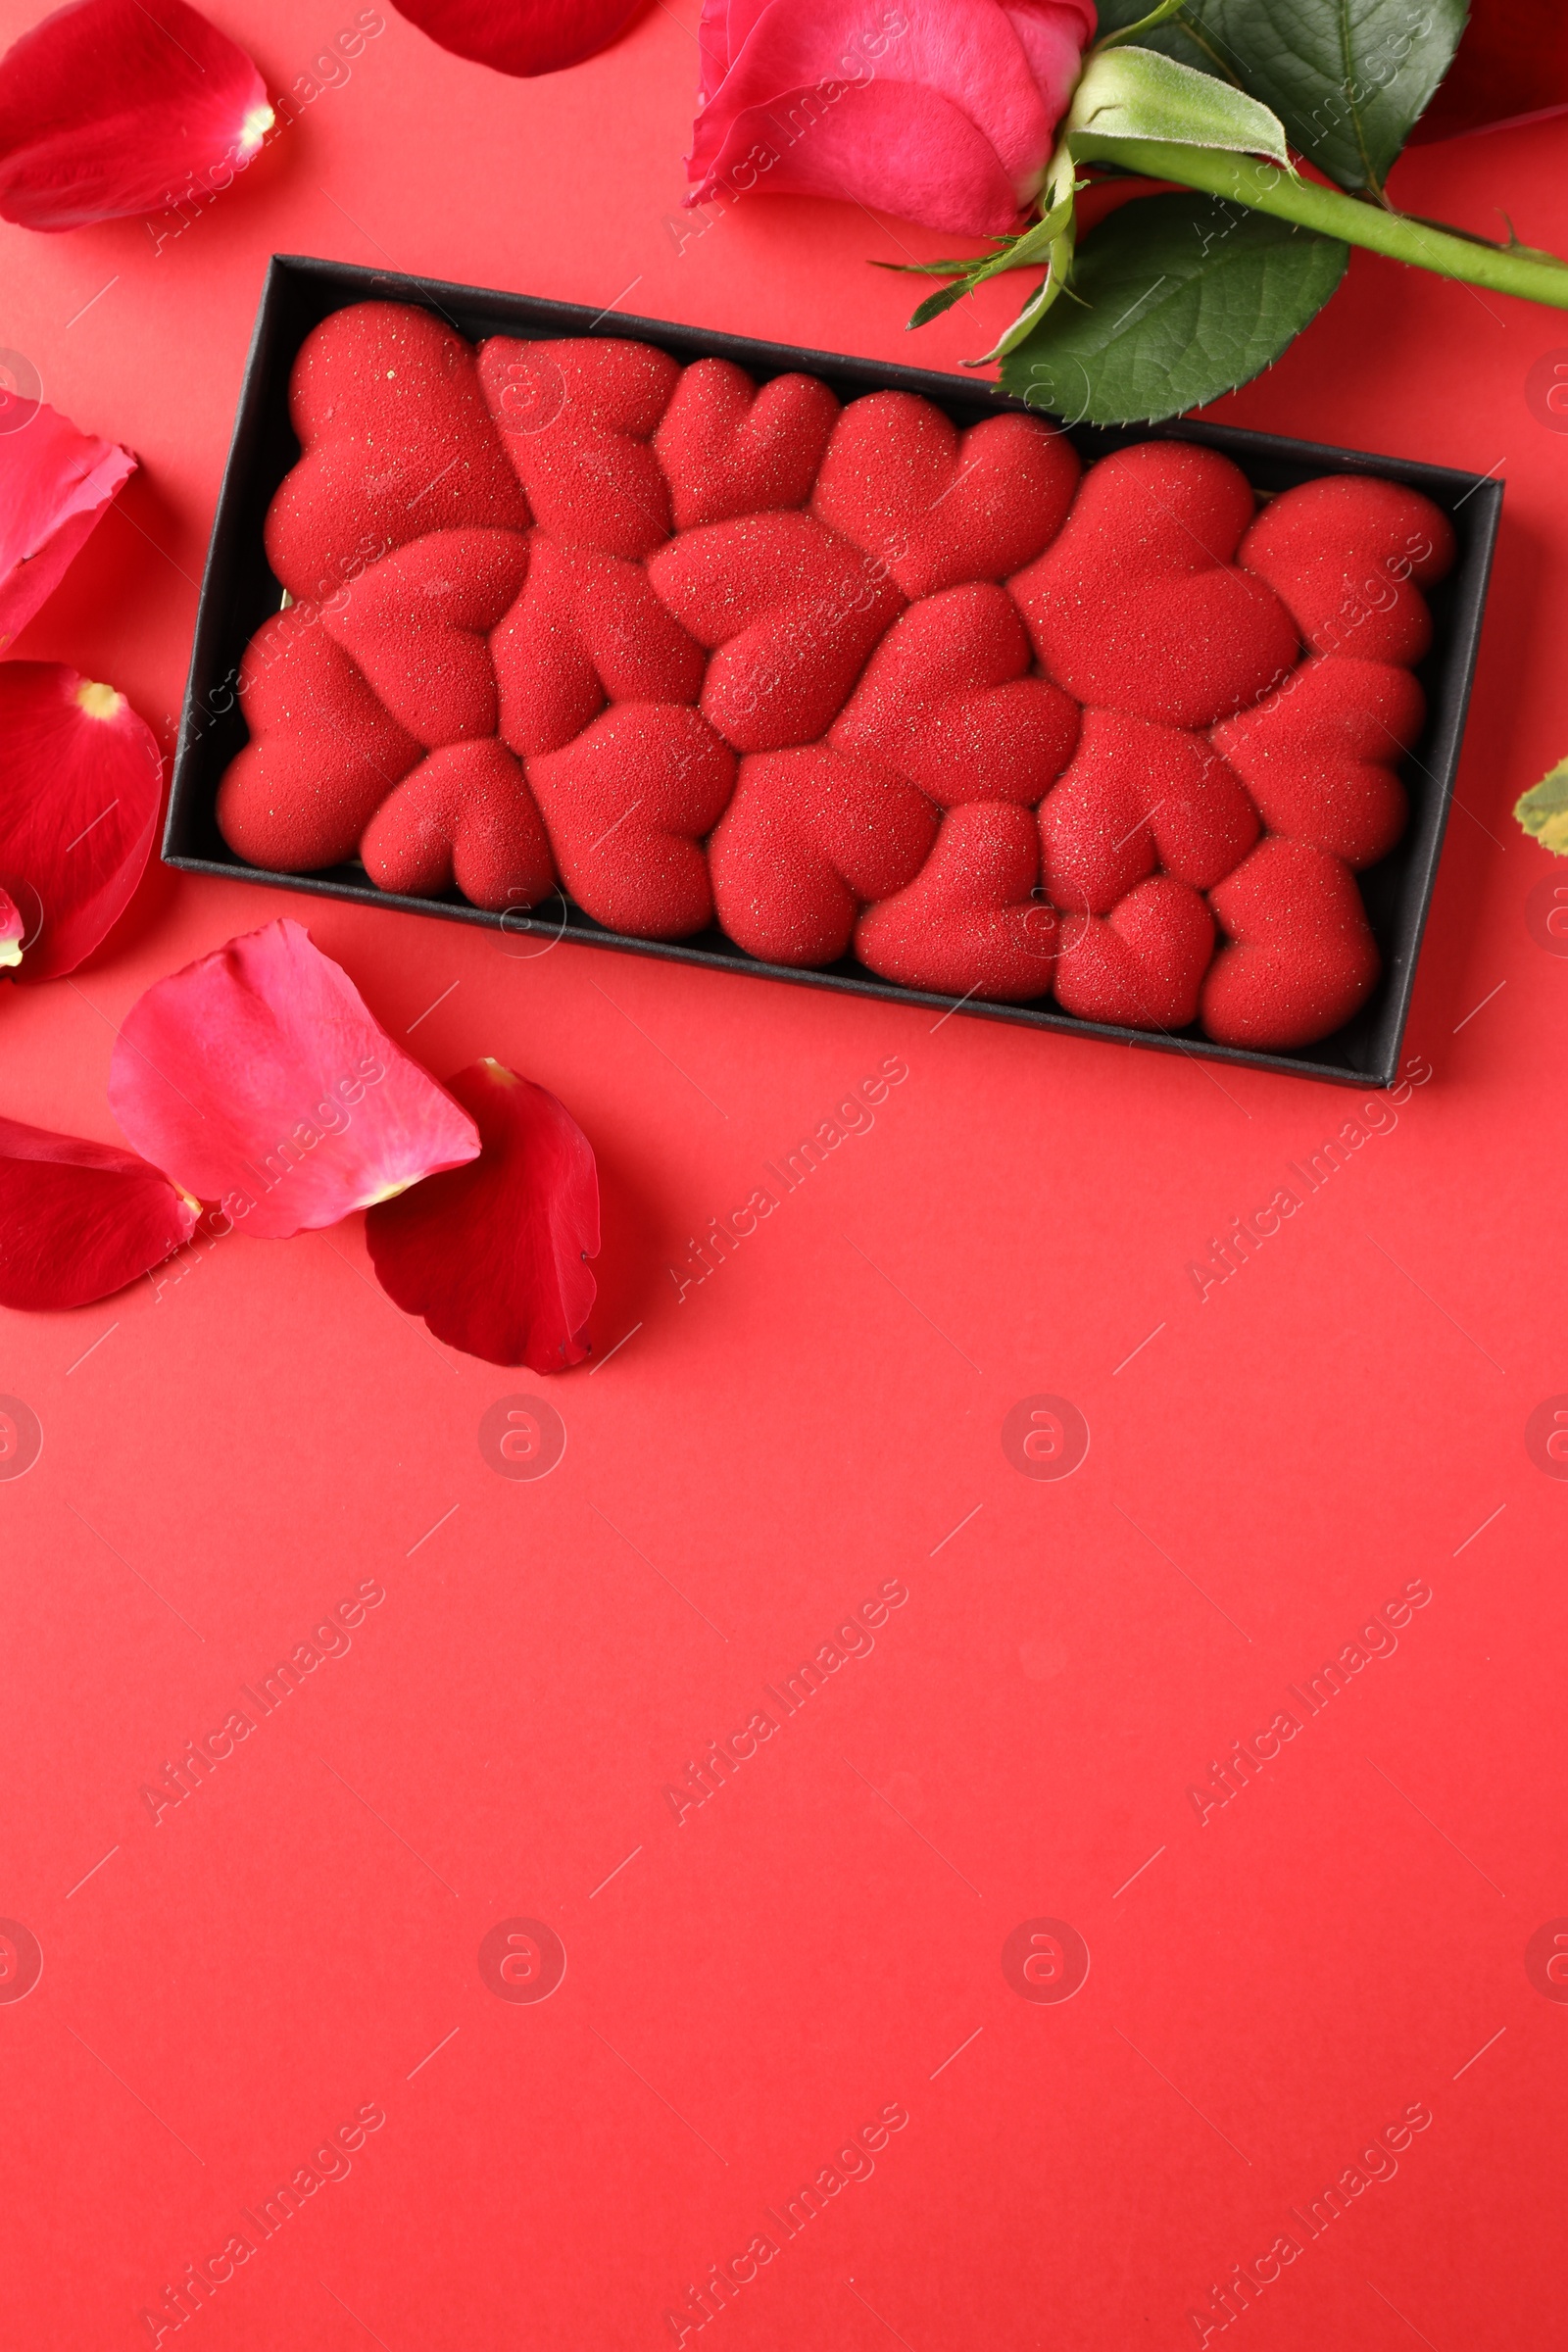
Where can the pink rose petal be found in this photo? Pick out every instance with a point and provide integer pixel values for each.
(80, 779)
(120, 106)
(55, 484)
(259, 1077)
(944, 114)
(1053, 33)
(494, 1257)
(12, 930)
(78, 1221)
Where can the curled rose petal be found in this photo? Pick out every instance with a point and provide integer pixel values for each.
(54, 487)
(13, 931)
(78, 1221)
(522, 36)
(494, 1257)
(261, 1079)
(944, 114)
(80, 777)
(121, 106)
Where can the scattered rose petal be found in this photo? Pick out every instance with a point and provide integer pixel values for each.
(259, 1078)
(494, 1257)
(120, 106)
(80, 777)
(54, 487)
(78, 1221)
(522, 36)
(13, 931)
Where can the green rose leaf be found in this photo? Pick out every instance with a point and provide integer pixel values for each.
(1544, 809)
(1349, 78)
(1033, 309)
(1048, 240)
(1180, 298)
(1137, 94)
(935, 303)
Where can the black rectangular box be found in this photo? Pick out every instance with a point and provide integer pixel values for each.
(239, 592)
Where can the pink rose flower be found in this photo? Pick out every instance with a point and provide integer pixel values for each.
(942, 111)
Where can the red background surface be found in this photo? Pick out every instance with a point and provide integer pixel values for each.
(235, 1446)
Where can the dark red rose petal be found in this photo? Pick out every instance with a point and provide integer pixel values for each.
(78, 1221)
(494, 1256)
(80, 777)
(259, 1076)
(523, 37)
(116, 105)
(54, 486)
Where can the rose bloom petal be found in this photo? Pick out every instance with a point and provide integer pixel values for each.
(78, 1221)
(494, 1257)
(120, 106)
(1055, 33)
(12, 930)
(80, 778)
(522, 36)
(55, 484)
(259, 1078)
(949, 122)
(712, 48)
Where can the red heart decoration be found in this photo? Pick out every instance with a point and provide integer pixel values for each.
(937, 505)
(729, 449)
(396, 442)
(1143, 964)
(323, 753)
(627, 805)
(1137, 605)
(416, 623)
(793, 612)
(1299, 957)
(586, 629)
(1136, 796)
(944, 700)
(809, 837)
(1344, 555)
(465, 816)
(967, 924)
(1094, 831)
(833, 602)
(576, 418)
(1316, 755)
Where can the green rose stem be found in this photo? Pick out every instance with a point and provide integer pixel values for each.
(1265, 188)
